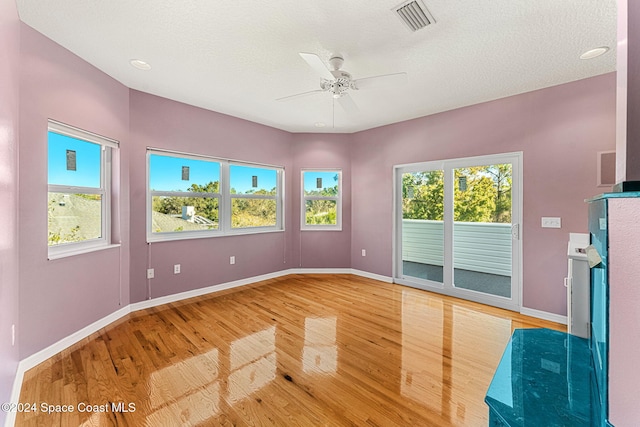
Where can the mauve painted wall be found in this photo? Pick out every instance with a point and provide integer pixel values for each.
(162, 123)
(624, 375)
(558, 129)
(322, 249)
(624, 294)
(9, 108)
(633, 92)
(59, 297)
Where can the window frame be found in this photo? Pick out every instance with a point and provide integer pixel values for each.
(108, 148)
(304, 198)
(179, 235)
(278, 197)
(224, 196)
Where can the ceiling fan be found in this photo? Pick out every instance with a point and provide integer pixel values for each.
(339, 82)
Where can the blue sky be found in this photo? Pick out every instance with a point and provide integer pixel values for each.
(166, 174)
(87, 173)
(166, 171)
(328, 180)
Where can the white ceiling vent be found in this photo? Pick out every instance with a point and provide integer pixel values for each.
(414, 14)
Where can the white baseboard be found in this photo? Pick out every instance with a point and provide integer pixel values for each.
(68, 341)
(544, 315)
(154, 302)
(46, 353)
(374, 276)
(319, 271)
(35, 359)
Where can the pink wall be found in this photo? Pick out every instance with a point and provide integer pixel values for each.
(9, 106)
(624, 297)
(317, 249)
(61, 296)
(624, 375)
(633, 92)
(161, 123)
(558, 129)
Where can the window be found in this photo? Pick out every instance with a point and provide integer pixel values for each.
(192, 196)
(253, 197)
(79, 190)
(185, 194)
(321, 200)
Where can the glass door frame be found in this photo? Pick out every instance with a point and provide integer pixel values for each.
(447, 287)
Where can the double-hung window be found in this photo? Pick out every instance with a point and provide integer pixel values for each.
(192, 196)
(321, 207)
(254, 197)
(184, 194)
(79, 190)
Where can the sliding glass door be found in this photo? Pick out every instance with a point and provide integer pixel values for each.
(457, 228)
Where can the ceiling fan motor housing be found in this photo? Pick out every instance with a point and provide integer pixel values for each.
(340, 85)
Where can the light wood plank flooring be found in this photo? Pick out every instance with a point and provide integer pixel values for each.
(301, 350)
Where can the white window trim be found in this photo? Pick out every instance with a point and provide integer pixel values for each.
(224, 199)
(320, 227)
(106, 155)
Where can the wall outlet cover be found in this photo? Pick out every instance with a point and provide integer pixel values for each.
(551, 222)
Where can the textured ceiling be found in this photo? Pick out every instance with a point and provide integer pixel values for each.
(237, 57)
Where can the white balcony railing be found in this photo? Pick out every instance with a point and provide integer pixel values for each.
(477, 246)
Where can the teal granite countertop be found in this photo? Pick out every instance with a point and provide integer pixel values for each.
(543, 379)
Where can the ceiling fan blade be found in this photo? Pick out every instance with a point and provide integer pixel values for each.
(347, 103)
(381, 81)
(299, 95)
(317, 65)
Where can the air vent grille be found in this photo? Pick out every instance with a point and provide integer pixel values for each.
(415, 15)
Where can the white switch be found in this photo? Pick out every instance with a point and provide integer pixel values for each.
(551, 222)
(232, 260)
(150, 273)
(364, 252)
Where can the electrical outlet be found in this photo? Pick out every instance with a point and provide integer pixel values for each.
(551, 222)
(176, 269)
(13, 335)
(150, 273)
(364, 252)
(232, 260)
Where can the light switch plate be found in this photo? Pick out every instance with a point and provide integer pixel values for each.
(551, 222)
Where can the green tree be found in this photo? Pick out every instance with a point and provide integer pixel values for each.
(502, 178)
(477, 202)
(322, 212)
(423, 195)
(485, 195)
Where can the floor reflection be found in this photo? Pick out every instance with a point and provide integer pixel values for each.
(436, 334)
(422, 364)
(253, 364)
(177, 391)
(320, 353)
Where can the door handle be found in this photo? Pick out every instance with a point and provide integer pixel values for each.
(515, 231)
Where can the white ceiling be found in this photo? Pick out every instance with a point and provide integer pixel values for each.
(237, 57)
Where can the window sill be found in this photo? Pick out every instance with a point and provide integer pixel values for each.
(241, 232)
(321, 229)
(79, 251)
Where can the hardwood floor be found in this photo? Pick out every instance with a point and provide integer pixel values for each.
(301, 350)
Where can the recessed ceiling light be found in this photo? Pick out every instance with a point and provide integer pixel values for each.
(320, 124)
(594, 53)
(140, 65)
